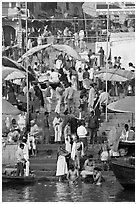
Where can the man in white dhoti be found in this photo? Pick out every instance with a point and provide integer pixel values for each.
(57, 124)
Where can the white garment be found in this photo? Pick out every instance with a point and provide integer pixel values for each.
(81, 131)
(54, 77)
(57, 109)
(32, 139)
(91, 76)
(29, 45)
(57, 128)
(34, 129)
(26, 157)
(81, 34)
(67, 144)
(104, 156)
(39, 40)
(74, 150)
(103, 98)
(22, 122)
(91, 97)
(58, 64)
(26, 151)
(25, 90)
(7, 122)
(80, 76)
(62, 168)
(78, 65)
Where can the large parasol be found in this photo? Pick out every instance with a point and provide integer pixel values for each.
(7, 62)
(33, 51)
(62, 48)
(12, 73)
(126, 105)
(115, 75)
(68, 50)
(9, 109)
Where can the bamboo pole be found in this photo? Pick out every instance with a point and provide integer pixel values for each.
(27, 65)
(107, 58)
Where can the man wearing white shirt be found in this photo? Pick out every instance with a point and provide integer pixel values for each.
(54, 76)
(82, 133)
(103, 99)
(58, 63)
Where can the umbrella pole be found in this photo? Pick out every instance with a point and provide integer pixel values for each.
(107, 58)
(27, 66)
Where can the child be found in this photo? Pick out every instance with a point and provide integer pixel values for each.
(97, 175)
(72, 175)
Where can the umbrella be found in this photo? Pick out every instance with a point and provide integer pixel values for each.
(9, 109)
(7, 71)
(126, 104)
(7, 62)
(15, 75)
(115, 75)
(32, 51)
(68, 50)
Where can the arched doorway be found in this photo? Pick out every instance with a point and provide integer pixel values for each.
(9, 34)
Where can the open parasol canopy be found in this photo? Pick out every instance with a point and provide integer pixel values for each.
(126, 105)
(32, 51)
(11, 73)
(62, 48)
(7, 62)
(9, 109)
(115, 75)
(68, 50)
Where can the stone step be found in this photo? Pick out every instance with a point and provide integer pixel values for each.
(45, 174)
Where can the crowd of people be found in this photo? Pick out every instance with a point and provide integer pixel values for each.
(73, 95)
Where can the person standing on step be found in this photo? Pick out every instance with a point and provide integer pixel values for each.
(62, 168)
(20, 160)
(57, 125)
(77, 152)
(93, 126)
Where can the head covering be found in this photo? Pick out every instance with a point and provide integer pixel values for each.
(32, 121)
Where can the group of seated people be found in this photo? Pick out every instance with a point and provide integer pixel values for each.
(128, 133)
